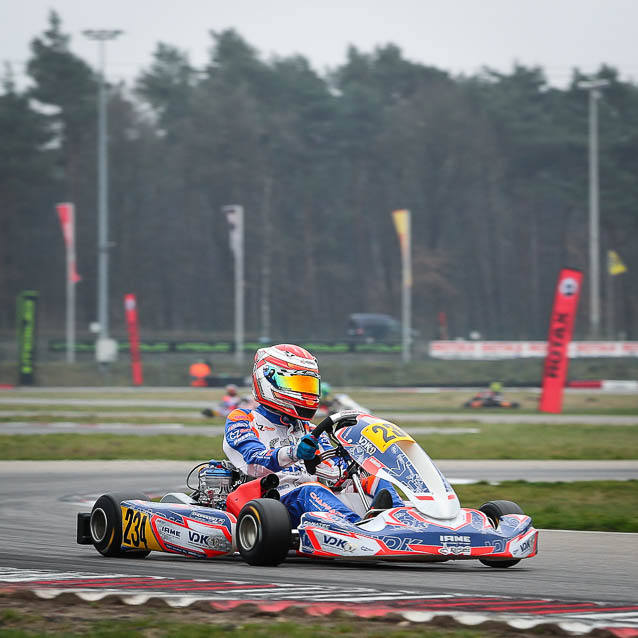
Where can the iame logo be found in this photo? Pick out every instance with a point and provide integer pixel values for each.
(568, 287)
(453, 538)
(169, 532)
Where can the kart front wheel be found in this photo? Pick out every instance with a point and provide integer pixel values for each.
(494, 510)
(106, 525)
(263, 532)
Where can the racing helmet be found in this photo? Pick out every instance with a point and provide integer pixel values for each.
(286, 379)
(231, 389)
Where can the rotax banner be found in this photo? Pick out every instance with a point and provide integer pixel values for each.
(561, 325)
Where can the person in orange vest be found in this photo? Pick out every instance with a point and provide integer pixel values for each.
(199, 373)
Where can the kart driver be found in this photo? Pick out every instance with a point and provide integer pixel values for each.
(274, 437)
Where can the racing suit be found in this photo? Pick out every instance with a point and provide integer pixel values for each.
(261, 442)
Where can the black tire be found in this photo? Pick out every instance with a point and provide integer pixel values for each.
(494, 510)
(106, 525)
(263, 532)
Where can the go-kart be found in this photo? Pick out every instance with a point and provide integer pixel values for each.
(228, 512)
(488, 400)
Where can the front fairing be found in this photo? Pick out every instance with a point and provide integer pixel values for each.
(385, 450)
(404, 533)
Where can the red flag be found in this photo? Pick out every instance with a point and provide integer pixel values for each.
(130, 307)
(561, 324)
(66, 213)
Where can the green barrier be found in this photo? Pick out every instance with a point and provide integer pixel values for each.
(316, 347)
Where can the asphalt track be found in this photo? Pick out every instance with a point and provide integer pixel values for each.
(39, 502)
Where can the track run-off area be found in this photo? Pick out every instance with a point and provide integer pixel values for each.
(579, 580)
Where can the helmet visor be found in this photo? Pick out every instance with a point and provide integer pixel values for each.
(306, 383)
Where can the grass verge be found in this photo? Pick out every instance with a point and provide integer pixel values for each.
(608, 506)
(49, 618)
(495, 441)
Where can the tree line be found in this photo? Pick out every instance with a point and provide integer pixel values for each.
(493, 167)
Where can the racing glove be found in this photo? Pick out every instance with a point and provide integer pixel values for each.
(306, 448)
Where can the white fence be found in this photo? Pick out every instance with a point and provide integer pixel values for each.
(461, 349)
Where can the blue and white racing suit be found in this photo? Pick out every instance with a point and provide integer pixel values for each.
(261, 442)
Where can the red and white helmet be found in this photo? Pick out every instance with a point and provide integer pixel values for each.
(286, 379)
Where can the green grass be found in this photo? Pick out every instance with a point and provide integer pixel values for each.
(167, 624)
(494, 441)
(580, 402)
(338, 370)
(88, 417)
(609, 506)
(537, 441)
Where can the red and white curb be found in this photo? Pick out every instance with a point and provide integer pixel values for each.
(575, 617)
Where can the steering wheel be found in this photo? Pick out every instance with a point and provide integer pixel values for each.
(330, 425)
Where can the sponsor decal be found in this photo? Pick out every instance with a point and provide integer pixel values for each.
(455, 550)
(238, 433)
(400, 544)
(168, 531)
(498, 545)
(212, 541)
(214, 520)
(478, 520)
(453, 538)
(410, 519)
(323, 506)
(338, 543)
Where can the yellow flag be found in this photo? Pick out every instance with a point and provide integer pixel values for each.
(402, 224)
(615, 265)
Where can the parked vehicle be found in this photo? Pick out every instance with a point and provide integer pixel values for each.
(369, 328)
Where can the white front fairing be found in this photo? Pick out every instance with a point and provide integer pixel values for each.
(385, 450)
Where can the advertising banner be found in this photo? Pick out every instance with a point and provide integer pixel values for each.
(561, 325)
(130, 308)
(66, 214)
(27, 304)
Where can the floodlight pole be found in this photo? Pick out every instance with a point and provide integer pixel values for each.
(102, 36)
(235, 217)
(594, 86)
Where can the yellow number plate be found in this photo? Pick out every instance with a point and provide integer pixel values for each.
(383, 435)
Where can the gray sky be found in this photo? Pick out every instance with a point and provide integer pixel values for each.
(455, 35)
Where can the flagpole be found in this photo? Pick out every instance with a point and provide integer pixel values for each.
(235, 217)
(610, 303)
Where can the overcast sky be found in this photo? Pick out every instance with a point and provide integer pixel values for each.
(460, 36)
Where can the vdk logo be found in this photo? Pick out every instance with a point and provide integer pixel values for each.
(197, 538)
(338, 543)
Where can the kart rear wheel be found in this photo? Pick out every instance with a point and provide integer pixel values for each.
(263, 532)
(494, 510)
(106, 525)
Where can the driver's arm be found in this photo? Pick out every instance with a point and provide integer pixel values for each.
(240, 437)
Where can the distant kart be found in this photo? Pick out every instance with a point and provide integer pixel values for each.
(481, 401)
(223, 410)
(228, 512)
